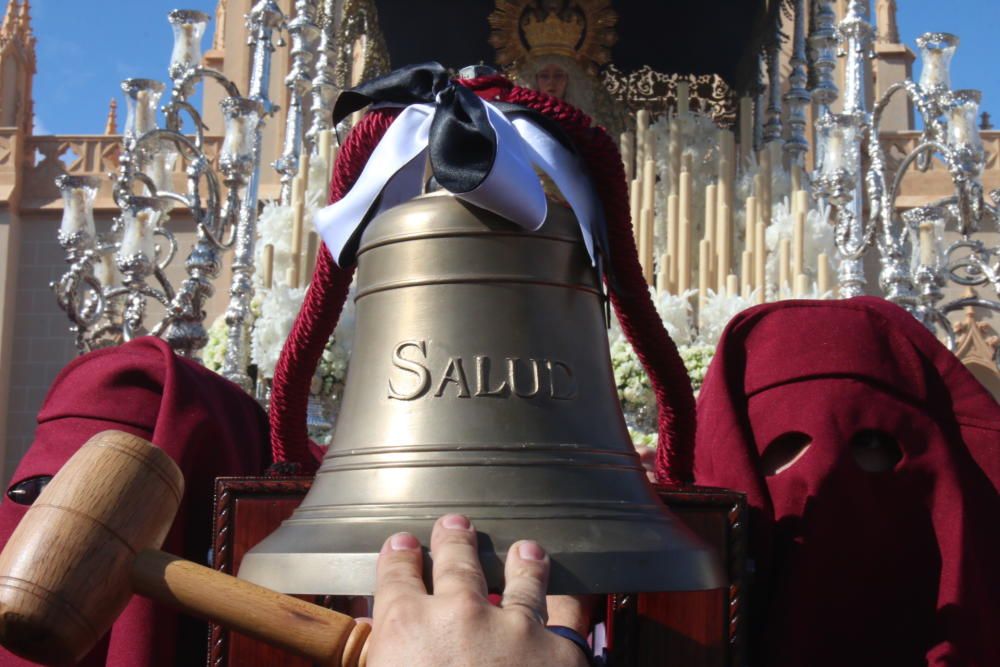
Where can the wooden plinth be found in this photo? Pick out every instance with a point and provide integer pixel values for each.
(700, 629)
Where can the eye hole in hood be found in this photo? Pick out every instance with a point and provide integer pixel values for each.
(27, 490)
(875, 451)
(782, 452)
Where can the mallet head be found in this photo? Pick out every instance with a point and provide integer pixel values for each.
(65, 572)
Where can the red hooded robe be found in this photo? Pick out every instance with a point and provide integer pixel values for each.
(871, 460)
(208, 425)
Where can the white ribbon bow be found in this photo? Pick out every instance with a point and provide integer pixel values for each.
(511, 190)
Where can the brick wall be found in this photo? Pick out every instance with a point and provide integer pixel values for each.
(42, 343)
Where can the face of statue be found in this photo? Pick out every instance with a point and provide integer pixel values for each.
(552, 80)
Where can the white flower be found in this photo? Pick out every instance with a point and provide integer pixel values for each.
(677, 313)
(818, 239)
(213, 356)
(278, 309)
(316, 193)
(718, 310)
(696, 360)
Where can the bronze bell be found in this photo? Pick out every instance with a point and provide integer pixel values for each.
(481, 384)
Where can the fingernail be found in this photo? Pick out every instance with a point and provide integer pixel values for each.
(456, 522)
(403, 542)
(529, 550)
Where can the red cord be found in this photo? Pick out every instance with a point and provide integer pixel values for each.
(320, 310)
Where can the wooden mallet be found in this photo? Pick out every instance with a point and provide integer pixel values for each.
(90, 540)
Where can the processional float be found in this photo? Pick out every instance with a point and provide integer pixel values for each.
(484, 387)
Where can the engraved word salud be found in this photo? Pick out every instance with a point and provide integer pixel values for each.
(415, 377)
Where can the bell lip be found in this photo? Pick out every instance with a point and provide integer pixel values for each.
(311, 574)
(655, 554)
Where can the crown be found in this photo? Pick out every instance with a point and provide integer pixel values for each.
(553, 35)
(583, 31)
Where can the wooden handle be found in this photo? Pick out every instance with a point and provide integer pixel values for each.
(313, 632)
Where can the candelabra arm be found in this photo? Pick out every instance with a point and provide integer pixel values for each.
(183, 85)
(172, 112)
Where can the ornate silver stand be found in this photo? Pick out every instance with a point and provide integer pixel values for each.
(107, 289)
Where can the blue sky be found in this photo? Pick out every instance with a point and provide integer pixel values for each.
(86, 47)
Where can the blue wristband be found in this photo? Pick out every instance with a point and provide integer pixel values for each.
(575, 637)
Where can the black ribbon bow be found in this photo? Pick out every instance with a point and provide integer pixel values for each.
(462, 143)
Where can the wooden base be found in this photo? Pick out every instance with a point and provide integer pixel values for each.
(694, 629)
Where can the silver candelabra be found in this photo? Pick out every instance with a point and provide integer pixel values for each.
(113, 279)
(915, 262)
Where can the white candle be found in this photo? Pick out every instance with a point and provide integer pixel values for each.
(635, 196)
(138, 235)
(647, 245)
(704, 261)
(77, 215)
(823, 274)
(187, 47)
(145, 115)
(732, 285)
(746, 272)
(298, 214)
(833, 152)
(641, 130)
(801, 285)
(330, 162)
(798, 243)
(750, 223)
(312, 247)
(784, 266)
(684, 234)
(674, 151)
(663, 275)
(267, 274)
(236, 143)
(711, 201)
(304, 160)
(801, 202)
(673, 233)
(962, 128)
(106, 271)
(649, 185)
(927, 255)
(760, 262)
(935, 70)
(724, 237)
(158, 173)
(324, 144)
(627, 148)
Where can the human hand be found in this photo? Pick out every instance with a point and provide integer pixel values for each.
(457, 626)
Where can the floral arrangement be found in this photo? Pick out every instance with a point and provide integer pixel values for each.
(277, 306)
(818, 239)
(213, 355)
(634, 391)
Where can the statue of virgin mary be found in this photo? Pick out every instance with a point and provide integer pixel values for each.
(557, 47)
